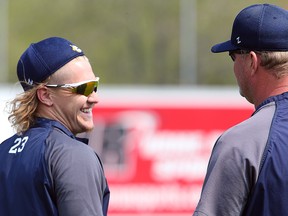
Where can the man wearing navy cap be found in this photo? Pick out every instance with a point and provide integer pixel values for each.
(247, 173)
(45, 169)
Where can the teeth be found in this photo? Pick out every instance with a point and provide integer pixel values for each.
(87, 110)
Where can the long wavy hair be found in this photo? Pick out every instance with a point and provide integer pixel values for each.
(22, 110)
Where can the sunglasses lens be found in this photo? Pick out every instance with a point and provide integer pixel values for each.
(86, 88)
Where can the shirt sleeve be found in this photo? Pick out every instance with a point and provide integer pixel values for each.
(226, 185)
(78, 179)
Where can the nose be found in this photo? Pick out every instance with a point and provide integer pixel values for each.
(93, 98)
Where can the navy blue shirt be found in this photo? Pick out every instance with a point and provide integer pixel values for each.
(47, 171)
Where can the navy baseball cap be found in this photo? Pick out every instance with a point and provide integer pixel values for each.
(42, 59)
(259, 27)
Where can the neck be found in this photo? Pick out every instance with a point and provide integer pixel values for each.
(270, 89)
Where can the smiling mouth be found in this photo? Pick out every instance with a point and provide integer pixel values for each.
(89, 110)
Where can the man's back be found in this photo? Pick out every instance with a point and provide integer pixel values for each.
(25, 188)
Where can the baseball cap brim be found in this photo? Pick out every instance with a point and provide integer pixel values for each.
(224, 47)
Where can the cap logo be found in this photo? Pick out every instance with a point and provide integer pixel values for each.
(76, 49)
(238, 40)
(30, 81)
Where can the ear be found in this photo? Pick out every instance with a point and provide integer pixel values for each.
(44, 96)
(255, 61)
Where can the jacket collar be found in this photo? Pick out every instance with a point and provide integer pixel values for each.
(44, 122)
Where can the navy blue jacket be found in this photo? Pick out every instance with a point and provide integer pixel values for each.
(47, 171)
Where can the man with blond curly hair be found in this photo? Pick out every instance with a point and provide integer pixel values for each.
(45, 169)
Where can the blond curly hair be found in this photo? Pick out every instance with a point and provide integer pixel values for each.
(22, 110)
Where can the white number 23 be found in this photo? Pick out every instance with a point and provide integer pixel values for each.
(19, 145)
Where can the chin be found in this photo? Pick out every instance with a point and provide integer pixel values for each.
(87, 127)
(82, 129)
